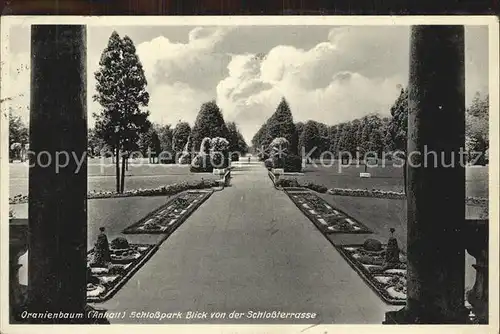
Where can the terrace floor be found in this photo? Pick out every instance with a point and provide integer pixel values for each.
(249, 248)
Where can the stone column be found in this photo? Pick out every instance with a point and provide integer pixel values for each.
(18, 245)
(58, 172)
(436, 183)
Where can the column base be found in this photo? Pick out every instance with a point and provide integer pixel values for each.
(408, 317)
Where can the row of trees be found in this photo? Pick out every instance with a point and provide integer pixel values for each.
(180, 139)
(371, 133)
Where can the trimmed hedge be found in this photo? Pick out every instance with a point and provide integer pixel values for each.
(201, 163)
(293, 163)
(269, 164)
(294, 183)
(290, 163)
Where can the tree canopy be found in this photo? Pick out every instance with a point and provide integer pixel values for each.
(209, 123)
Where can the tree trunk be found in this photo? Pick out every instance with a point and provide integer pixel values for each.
(122, 184)
(126, 164)
(117, 168)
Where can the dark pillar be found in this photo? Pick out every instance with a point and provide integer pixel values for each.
(58, 189)
(435, 192)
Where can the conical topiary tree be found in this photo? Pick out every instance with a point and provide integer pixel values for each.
(280, 124)
(209, 123)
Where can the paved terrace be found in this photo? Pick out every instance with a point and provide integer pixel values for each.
(248, 248)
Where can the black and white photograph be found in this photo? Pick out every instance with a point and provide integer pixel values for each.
(275, 171)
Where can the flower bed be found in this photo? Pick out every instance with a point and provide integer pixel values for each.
(170, 189)
(169, 216)
(105, 281)
(324, 216)
(388, 282)
(392, 195)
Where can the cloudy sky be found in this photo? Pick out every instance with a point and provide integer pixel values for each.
(327, 73)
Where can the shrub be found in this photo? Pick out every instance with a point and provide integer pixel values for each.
(219, 154)
(185, 158)
(316, 187)
(279, 144)
(120, 243)
(293, 163)
(285, 183)
(268, 163)
(235, 156)
(219, 159)
(278, 162)
(201, 163)
(169, 159)
(219, 144)
(372, 245)
(206, 143)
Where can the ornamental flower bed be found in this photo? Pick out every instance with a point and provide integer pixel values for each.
(169, 216)
(324, 216)
(104, 280)
(389, 282)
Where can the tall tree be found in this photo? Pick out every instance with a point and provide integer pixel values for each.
(281, 124)
(299, 127)
(397, 129)
(165, 134)
(209, 123)
(95, 144)
(310, 140)
(323, 141)
(18, 137)
(180, 136)
(477, 127)
(155, 145)
(121, 92)
(261, 141)
(237, 143)
(18, 131)
(332, 136)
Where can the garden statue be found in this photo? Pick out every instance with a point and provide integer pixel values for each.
(102, 255)
(392, 251)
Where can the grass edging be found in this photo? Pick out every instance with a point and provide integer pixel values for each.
(376, 193)
(168, 190)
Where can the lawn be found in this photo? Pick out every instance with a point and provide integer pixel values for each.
(384, 178)
(114, 214)
(102, 176)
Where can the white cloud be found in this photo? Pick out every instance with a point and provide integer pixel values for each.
(319, 83)
(356, 71)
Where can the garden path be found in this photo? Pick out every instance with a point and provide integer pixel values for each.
(248, 248)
